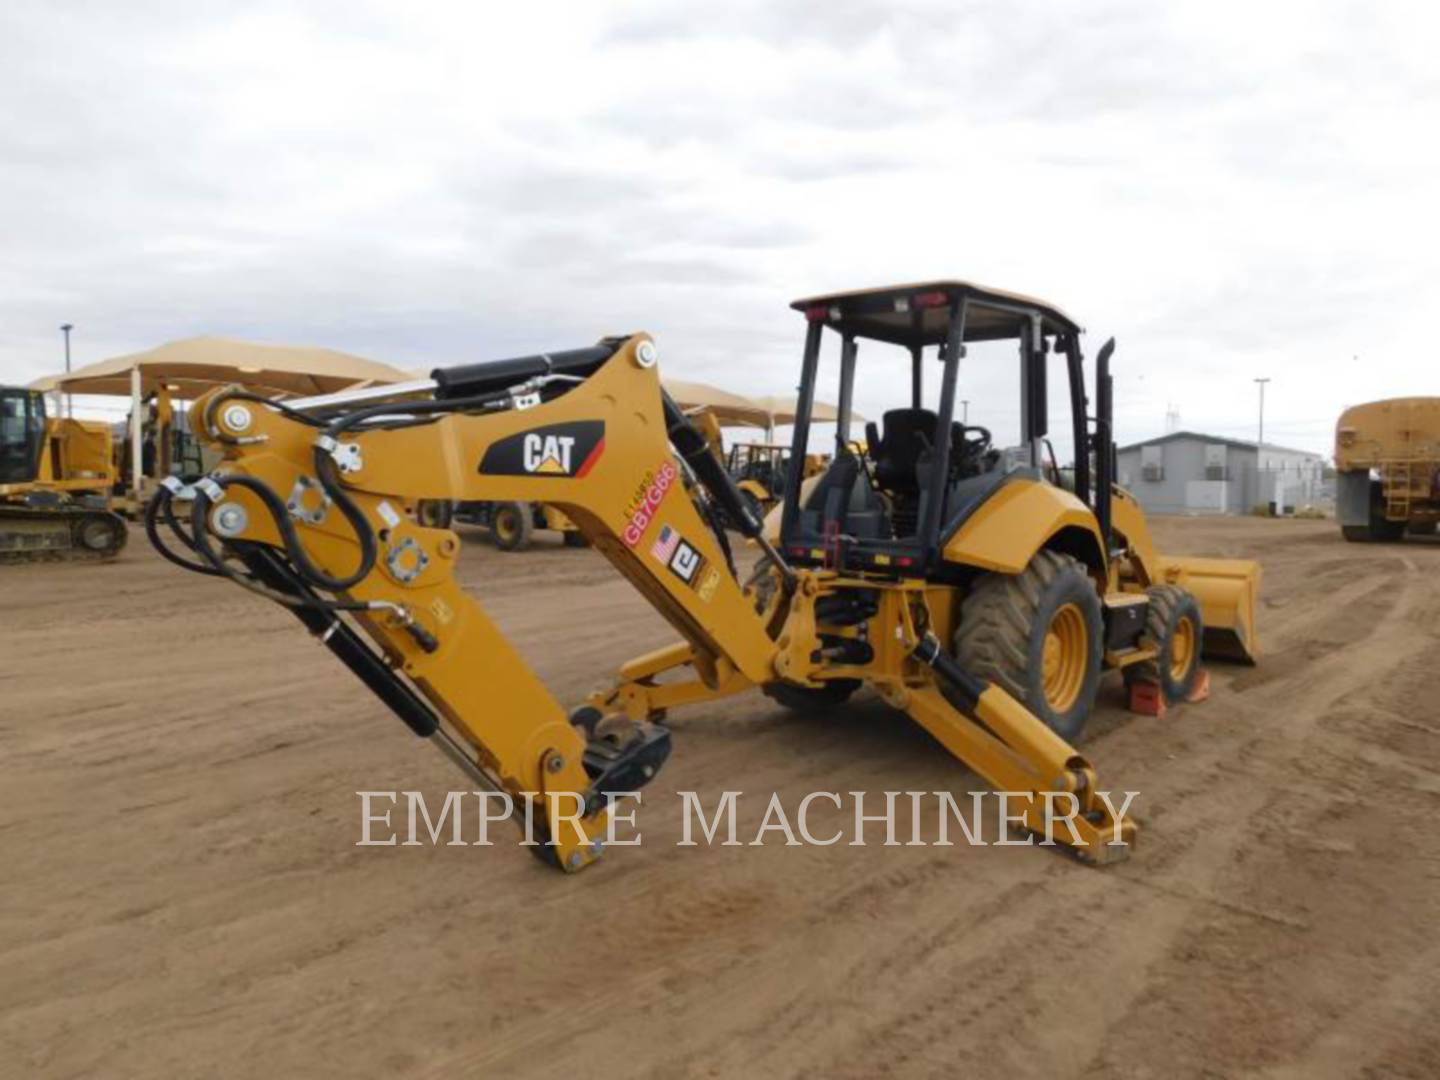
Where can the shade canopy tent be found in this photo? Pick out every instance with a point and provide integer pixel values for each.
(192, 366)
(782, 410)
(189, 368)
(729, 409)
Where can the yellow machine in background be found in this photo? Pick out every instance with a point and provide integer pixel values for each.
(512, 524)
(984, 604)
(55, 480)
(1387, 463)
(759, 470)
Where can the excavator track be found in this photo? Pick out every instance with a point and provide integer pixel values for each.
(60, 534)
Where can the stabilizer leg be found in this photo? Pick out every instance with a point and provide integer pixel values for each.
(1016, 753)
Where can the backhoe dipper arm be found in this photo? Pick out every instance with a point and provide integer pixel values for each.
(319, 512)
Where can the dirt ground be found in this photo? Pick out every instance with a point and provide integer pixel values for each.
(181, 894)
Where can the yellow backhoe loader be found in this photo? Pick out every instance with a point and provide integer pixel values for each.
(985, 604)
(55, 480)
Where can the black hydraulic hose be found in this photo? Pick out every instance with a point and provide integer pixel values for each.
(200, 529)
(328, 475)
(160, 506)
(294, 546)
(364, 534)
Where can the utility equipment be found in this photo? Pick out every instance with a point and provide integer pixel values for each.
(983, 603)
(1387, 463)
(512, 523)
(55, 480)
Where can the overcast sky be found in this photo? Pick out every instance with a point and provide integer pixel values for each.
(1230, 193)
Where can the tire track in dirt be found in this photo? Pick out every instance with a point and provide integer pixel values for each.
(220, 912)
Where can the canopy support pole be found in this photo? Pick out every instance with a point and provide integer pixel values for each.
(137, 419)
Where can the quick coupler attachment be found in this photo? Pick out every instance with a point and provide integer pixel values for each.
(617, 764)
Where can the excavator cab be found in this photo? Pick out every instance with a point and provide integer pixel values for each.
(22, 434)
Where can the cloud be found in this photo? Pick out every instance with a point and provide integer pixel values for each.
(1228, 192)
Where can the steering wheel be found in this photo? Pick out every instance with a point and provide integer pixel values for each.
(980, 442)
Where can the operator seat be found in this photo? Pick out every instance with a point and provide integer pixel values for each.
(908, 434)
(898, 454)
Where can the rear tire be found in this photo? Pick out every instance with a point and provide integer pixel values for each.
(1379, 527)
(1174, 624)
(811, 698)
(511, 526)
(573, 538)
(1038, 636)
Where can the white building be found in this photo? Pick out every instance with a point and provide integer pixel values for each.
(1189, 473)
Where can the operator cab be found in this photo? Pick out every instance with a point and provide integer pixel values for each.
(22, 434)
(891, 503)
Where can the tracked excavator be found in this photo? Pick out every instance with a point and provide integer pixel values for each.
(55, 479)
(985, 603)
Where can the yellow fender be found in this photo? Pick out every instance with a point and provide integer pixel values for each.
(1021, 517)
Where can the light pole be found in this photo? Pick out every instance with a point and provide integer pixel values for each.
(1260, 442)
(69, 405)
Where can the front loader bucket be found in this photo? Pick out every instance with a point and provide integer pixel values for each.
(1226, 590)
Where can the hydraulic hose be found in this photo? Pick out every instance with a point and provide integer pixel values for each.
(696, 453)
(160, 506)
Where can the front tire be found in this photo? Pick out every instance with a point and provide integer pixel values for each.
(1038, 635)
(1174, 624)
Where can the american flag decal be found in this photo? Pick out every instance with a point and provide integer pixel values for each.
(665, 544)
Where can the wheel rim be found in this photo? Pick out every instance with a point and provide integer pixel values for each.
(505, 524)
(1067, 647)
(1182, 649)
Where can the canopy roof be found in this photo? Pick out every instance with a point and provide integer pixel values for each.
(917, 314)
(728, 408)
(192, 366)
(782, 409)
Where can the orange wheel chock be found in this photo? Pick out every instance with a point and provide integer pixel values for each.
(1147, 699)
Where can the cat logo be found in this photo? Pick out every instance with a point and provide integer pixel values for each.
(548, 453)
(556, 450)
